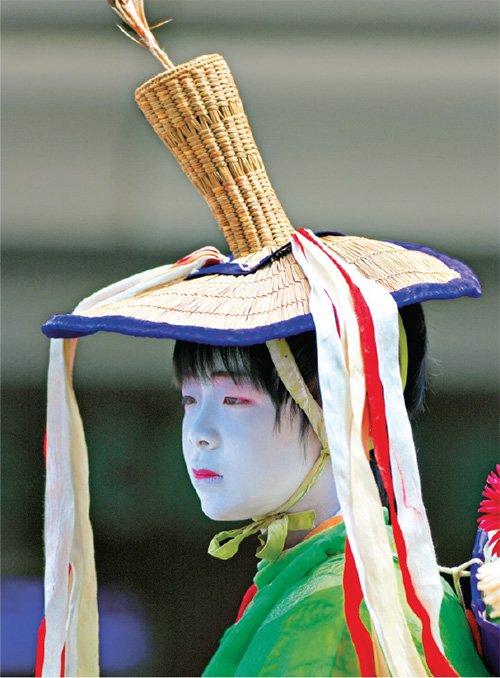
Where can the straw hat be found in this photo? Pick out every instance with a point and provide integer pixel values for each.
(261, 292)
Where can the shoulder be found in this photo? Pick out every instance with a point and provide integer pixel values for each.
(313, 595)
(304, 631)
(310, 581)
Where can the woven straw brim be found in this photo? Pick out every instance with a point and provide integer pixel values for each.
(277, 291)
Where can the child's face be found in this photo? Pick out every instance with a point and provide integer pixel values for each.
(241, 463)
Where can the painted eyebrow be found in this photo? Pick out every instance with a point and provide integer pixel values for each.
(222, 374)
(236, 377)
(226, 374)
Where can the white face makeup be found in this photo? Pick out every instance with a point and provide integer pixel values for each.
(241, 463)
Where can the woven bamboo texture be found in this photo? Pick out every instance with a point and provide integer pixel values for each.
(197, 112)
(276, 291)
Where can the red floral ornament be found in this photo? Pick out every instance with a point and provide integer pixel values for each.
(490, 506)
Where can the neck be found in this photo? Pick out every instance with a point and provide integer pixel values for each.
(322, 498)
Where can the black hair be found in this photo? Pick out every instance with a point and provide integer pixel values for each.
(416, 337)
(199, 361)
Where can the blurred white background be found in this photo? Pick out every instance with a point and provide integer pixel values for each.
(377, 118)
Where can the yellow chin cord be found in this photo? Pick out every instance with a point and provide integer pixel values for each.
(274, 526)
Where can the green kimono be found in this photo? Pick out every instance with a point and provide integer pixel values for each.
(295, 625)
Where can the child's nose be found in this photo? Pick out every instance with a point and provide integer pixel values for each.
(205, 431)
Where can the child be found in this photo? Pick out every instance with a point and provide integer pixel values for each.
(250, 452)
(248, 447)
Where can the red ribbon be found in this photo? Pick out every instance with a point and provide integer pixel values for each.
(436, 661)
(40, 652)
(353, 595)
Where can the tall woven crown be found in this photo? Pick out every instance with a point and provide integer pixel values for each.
(197, 111)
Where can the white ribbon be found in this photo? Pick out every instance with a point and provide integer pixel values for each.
(71, 614)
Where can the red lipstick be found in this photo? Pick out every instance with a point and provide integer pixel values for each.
(203, 473)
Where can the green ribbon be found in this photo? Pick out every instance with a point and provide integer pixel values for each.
(403, 352)
(273, 526)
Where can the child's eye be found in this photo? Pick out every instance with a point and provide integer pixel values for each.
(187, 400)
(230, 400)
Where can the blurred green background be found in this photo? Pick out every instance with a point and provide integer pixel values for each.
(377, 118)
